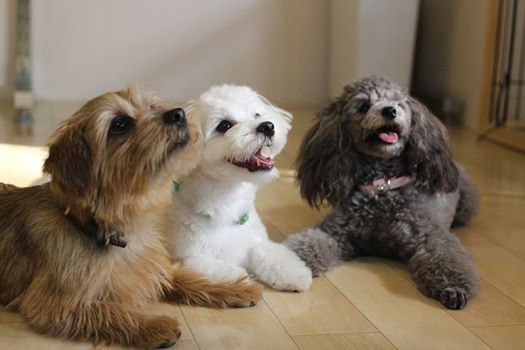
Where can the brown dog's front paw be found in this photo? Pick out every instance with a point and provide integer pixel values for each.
(158, 333)
(453, 298)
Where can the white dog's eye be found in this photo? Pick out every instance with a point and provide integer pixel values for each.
(224, 126)
(257, 115)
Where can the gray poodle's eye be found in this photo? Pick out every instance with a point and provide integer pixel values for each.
(363, 107)
(224, 126)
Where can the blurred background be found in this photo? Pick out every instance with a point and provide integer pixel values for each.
(463, 58)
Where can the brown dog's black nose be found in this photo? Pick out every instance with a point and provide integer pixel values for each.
(389, 112)
(266, 128)
(175, 116)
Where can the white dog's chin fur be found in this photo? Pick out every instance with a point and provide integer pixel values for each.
(216, 229)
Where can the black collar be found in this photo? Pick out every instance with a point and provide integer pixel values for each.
(91, 229)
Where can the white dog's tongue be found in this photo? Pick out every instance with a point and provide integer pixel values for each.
(260, 160)
(389, 137)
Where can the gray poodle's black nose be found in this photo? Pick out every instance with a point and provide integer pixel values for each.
(389, 112)
(175, 116)
(266, 128)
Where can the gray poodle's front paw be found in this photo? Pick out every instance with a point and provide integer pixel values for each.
(454, 298)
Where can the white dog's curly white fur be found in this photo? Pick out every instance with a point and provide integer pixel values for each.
(215, 227)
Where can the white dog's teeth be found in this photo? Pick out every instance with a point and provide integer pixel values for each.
(266, 152)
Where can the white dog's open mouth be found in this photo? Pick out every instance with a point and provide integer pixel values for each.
(257, 162)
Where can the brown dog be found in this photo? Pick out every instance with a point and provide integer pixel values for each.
(111, 166)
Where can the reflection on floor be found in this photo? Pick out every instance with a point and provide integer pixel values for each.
(363, 304)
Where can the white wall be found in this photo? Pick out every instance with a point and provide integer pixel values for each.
(178, 47)
(371, 37)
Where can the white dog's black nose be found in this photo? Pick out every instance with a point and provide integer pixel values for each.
(389, 112)
(266, 128)
(175, 116)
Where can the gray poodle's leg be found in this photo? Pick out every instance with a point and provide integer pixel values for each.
(468, 199)
(316, 248)
(443, 270)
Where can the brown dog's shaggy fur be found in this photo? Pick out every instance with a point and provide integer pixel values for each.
(111, 164)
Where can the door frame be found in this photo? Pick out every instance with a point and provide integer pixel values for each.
(503, 135)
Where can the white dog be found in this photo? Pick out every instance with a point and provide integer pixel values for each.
(215, 227)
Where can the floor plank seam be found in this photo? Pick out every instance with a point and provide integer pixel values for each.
(446, 311)
(282, 325)
(334, 333)
(357, 308)
(504, 292)
(189, 327)
(499, 326)
(477, 336)
(452, 313)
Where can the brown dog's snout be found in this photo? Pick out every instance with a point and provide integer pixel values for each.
(175, 117)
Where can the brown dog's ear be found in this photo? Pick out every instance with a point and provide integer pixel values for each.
(428, 153)
(325, 166)
(70, 161)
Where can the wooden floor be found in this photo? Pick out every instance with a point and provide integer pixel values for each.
(364, 304)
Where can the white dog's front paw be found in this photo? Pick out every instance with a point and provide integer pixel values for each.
(225, 272)
(293, 279)
(278, 267)
(216, 270)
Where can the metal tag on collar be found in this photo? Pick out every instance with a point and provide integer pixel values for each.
(382, 185)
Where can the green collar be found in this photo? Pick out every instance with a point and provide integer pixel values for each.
(177, 187)
(244, 219)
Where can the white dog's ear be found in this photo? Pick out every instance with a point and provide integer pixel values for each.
(287, 116)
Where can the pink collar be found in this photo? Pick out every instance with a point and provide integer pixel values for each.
(383, 185)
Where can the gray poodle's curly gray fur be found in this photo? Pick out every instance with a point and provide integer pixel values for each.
(346, 148)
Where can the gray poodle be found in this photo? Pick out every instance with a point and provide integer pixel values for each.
(382, 161)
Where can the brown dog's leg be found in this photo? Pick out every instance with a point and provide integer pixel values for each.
(192, 288)
(100, 322)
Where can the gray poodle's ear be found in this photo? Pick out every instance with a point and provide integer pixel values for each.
(325, 166)
(428, 153)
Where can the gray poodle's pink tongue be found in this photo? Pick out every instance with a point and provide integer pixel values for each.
(389, 137)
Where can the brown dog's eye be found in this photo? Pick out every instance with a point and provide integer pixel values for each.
(224, 126)
(120, 125)
(364, 107)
